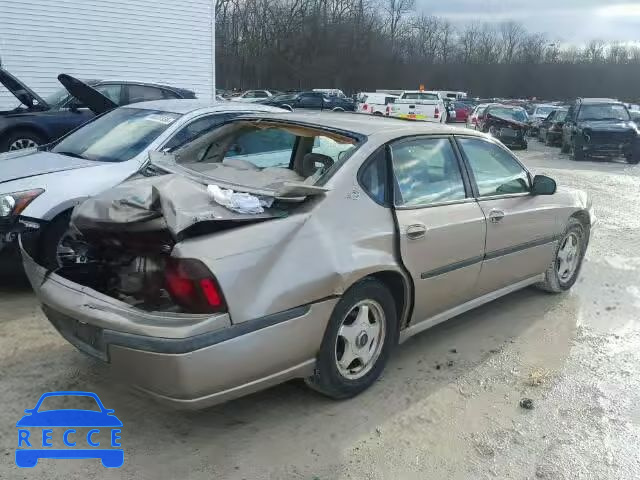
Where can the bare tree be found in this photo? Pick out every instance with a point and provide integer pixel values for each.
(512, 34)
(395, 11)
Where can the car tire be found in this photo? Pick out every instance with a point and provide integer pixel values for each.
(633, 159)
(577, 154)
(338, 109)
(378, 114)
(332, 377)
(27, 138)
(556, 278)
(50, 239)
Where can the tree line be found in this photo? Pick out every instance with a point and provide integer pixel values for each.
(368, 44)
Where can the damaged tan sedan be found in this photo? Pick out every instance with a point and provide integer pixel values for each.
(302, 246)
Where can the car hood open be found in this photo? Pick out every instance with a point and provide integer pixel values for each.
(27, 97)
(19, 164)
(88, 96)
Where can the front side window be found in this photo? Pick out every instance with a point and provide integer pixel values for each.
(495, 170)
(426, 172)
(116, 136)
(111, 91)
(143, 93)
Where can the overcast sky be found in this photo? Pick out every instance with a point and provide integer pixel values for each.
(567, 21)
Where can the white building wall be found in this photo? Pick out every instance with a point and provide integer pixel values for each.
(168, 41)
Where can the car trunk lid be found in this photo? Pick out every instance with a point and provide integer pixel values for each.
(22, 92)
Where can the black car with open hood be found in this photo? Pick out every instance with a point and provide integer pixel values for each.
(37, 121)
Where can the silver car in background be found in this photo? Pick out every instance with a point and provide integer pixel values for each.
(39, 188)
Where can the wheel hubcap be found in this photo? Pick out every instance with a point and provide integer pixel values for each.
(360, 339)
(568, 257)
(22, 143)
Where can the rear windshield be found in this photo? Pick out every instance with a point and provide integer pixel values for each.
(262, 152)
(516, 114)
(420, 96)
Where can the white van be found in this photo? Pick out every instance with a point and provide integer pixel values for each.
(374, 103)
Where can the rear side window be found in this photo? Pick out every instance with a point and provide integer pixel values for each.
(143, 93)
(373, 177)
(111, 91)
(426, 172)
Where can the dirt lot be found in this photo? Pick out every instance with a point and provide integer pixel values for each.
(447, 406)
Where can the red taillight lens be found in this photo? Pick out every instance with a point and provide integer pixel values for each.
(436, 114)
(365, 107)
(192, 286)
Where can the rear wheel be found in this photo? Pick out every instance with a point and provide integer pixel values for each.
(361, 333)
(633, 159)
(577, 153)
(21, 139)
(567, 260)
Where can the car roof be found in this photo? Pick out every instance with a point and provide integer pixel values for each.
(368, 125)
(598, 100)
(184, 106)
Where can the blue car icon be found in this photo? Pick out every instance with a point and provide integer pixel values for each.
(67, 419)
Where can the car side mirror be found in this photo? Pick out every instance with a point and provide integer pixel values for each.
(543, 185)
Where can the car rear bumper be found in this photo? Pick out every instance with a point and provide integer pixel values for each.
(189, 361)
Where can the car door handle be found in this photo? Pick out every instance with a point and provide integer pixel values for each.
(496, 216)
(416, 231)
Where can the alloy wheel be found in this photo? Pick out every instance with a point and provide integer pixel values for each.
(22, 143)
(568, 257)
(360, 339)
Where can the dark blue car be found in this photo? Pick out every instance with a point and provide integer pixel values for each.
(32, 446)
(38, 121)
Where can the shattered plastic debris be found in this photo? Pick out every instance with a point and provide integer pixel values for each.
(526, 403)
(238, 201)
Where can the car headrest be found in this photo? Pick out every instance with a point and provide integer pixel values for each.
(310, 161)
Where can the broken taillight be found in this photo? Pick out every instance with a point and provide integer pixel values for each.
(192, 286)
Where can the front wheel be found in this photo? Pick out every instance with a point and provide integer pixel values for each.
(361, 333)
(633, 159)
(21, 139)
(567, 260)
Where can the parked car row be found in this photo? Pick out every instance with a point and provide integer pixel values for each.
(592, 128)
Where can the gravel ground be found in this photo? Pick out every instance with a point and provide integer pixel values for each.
(446, 407)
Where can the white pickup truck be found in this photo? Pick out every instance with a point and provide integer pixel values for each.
(419, 105)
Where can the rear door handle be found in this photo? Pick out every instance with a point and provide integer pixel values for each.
(416, 231)
(496, 216)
